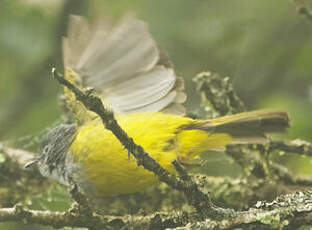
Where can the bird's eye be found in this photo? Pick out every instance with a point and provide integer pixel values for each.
(46, 149)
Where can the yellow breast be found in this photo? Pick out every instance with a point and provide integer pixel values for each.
(107, 165)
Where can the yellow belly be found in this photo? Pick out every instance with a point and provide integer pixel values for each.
(106, 163)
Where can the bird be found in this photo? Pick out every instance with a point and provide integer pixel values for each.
(124, 67)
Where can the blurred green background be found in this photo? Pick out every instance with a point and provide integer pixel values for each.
(264, 46)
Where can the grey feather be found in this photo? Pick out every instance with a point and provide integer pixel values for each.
(121, 63)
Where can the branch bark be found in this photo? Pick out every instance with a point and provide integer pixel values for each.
(287, 212)
(262, 180)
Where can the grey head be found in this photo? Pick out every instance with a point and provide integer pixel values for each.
(53, 158)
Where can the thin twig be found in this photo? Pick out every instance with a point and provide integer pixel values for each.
(218, 93)
(297, 146)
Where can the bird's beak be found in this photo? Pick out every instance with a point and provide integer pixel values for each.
(31, 163)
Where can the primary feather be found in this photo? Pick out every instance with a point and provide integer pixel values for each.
(122, 63)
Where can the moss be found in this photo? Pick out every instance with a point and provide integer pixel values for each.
(270, 218)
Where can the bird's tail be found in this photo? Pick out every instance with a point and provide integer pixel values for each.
(248, 127)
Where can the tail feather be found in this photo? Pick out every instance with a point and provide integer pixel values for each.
(248, 126)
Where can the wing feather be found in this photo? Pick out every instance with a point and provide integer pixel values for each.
(122, 63)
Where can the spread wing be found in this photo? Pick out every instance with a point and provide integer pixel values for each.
(122, 63)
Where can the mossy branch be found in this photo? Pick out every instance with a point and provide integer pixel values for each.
(287, 212)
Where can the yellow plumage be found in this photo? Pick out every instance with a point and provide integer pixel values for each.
(107, 164)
